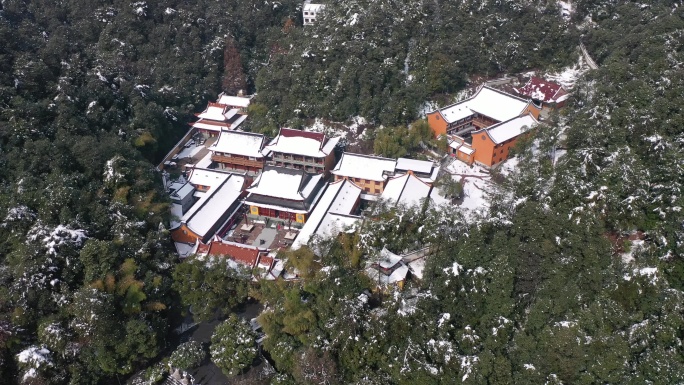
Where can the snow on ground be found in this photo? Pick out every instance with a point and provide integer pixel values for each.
(509, 167)
(356, 122)
(336, 129)
(346, 131)
(477, 185)
(461, 168)
(569, 75)
(475, 196)
(438, 198)
(429, 106)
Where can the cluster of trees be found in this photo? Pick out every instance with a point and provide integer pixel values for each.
(399, 141)
(383, 59)
(209, 287)
(137, 70)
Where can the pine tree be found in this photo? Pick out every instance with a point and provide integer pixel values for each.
(233, 73)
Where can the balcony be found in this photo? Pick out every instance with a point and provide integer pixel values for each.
(237, 161)
(298, 160)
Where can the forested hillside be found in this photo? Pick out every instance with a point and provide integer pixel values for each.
(383, 59)
(547, 288)
(91, 93)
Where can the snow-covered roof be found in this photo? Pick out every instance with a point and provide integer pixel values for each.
(303, 143)
(329, 146)
(426, 171)
(275, 272)
(562, 98)
(310, 7)
(240, 143)
(176, 215)
(204, 162)
(487, 101)
(542, 90)
(213, 205)
(267, 266)
(339, 198)
(176, 184)
(466, 149)
(219, 116)
(234, 101)
(183, 192)
(398, 275)
(406, 189)
(236, 123)
(509, 129)
(185, 250)
(284, 183)
(364, 166)
(217, 113)
(421, 166)
(433, 177)
(206, 124)
(207, 177)
(333, 223)
(230, 113)
(416, 267)
(388, 259)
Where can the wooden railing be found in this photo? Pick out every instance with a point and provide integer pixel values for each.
(237, 161)
(298, 159)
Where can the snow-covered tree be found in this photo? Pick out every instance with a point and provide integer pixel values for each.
(188, 355)
(34, 361)
(233, 346)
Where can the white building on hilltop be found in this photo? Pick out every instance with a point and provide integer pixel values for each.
(311, 11)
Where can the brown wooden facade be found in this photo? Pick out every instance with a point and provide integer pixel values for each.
(238, 162)
(316, 165)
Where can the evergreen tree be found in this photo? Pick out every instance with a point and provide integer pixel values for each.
(233, 346)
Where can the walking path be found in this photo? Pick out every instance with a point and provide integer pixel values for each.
(590, 62)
